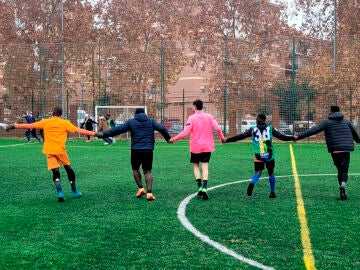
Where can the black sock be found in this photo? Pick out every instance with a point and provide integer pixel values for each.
(149, 191)
(204, 185)
(198, 181)
(73, 186)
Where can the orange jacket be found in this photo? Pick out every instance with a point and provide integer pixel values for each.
(55, 133)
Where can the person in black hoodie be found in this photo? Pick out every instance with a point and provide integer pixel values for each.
(142, 146)
(339, 135)
(88, 124)
(261, 136)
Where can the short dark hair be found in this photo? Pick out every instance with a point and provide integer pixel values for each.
(139, 110)
(334, 109)
(198, 104)
(57, 111)
(262, 117)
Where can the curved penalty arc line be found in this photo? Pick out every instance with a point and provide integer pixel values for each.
(181, 212)
(186, 223)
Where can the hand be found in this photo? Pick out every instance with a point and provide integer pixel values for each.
(8, 127)
(223, 141)
(99, 134)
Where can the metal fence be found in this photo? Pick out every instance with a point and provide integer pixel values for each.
(292, 80)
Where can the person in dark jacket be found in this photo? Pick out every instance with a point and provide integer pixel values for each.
(88, 124)
(31, 132)
(261, 136)
(339, 135)
(142, 130)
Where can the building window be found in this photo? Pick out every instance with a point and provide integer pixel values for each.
(54, 71)
(202, 89)
(72, 70)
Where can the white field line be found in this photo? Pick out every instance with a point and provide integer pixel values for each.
(186, 223)
(12, 145)
(181, 212)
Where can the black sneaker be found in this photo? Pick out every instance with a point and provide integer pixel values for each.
(200, 193)
(272, 195)
(343, 196)
(250, 189)
(205, 195)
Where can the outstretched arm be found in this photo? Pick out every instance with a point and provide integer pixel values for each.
(218, 130)
(24, 126)
(116, 130)
(182, 134)
(282, 136)
(163, 131)
(312, 131)
(85, 132)
(241, 136)
(19, 126)
(354, 133)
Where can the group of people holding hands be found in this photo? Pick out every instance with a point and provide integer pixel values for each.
(339, 133)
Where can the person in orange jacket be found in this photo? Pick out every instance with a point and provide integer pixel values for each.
(56, 130)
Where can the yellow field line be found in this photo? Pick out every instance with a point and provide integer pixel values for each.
(305, 234)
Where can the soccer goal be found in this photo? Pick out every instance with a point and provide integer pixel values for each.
(120, 114)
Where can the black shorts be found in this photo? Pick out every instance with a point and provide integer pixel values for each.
(341, 160)
(143, 158)
(201, 157)
(270, 165)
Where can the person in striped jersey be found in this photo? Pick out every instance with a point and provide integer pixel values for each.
(261, 135)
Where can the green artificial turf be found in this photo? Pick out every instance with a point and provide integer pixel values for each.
(109, 228)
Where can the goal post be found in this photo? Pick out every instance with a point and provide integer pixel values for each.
(120, 114)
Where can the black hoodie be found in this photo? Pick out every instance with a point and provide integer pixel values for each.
(339, 133)
(142, 131)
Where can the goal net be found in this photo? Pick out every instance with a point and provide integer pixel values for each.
(120, 114)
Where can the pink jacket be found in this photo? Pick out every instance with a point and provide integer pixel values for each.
(200, 125)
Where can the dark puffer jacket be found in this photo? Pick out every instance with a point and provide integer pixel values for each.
(142, 131)
(339, 133)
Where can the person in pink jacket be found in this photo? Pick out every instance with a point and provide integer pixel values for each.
(200, 125)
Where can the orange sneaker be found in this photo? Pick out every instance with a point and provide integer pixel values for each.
(140, 192)
(150, 197)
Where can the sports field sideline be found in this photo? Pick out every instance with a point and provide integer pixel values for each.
(305, 227)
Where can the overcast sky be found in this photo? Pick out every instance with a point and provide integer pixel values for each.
(293, 20)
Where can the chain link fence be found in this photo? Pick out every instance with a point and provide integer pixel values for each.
(292, 80)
